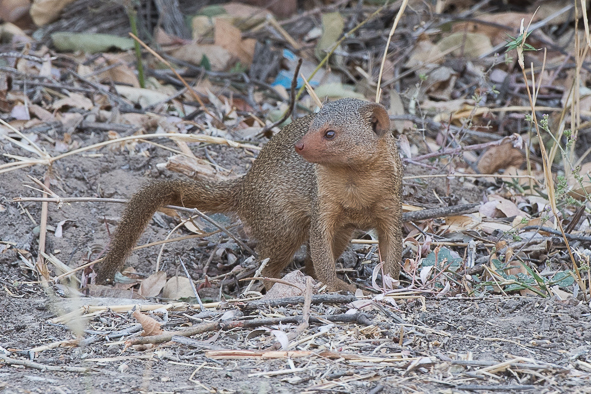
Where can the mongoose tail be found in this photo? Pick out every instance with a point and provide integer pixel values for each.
(202, 194)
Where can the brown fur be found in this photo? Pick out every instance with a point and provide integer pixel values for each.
(350, 181)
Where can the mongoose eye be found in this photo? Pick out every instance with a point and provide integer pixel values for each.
(329, 134)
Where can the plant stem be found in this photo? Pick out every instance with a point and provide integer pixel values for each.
(131, 13)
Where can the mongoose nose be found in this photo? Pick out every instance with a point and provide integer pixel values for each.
(299, 146)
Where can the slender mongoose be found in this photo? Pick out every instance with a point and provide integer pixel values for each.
(315, 182)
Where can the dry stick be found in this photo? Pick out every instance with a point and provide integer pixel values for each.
(192, 285)
(292, 100)
(396, 20)
(41, 268)
(317, 299)
(219, 226)
(167, 336)
(311, 92)
(440, 212)
(42, 367)
(193, 93)
(206, 327)
(547, 166)
(465, 175)
(511, 139)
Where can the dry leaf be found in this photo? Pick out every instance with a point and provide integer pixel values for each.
(424, 53)
(281, 338)
(151, 326)
(143, 97)
(283, 8)
(219, 58)
(153, 284)
(190, 166)
(469, 44)
(120, 74)
(12, 10)
(230, 38)
(279, 290)
(440, 83)
(41, 113)
(332, 28)
(499, 157)
(75, 101)
(581, 190)
(45, 11)
(497, 35)
(178, 287)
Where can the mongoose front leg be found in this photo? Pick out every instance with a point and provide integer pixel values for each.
(322, 236)
(389, 240)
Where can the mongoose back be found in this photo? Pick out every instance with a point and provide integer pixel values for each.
(315, 182)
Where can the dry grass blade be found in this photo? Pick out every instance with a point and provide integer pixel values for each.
(311, 92)
(394, 25)
(193, 92)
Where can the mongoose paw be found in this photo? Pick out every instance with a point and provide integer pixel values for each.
(341, 285)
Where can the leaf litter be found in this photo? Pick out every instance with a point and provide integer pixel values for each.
(491, 298)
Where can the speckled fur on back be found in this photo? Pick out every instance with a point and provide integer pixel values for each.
(352, 182)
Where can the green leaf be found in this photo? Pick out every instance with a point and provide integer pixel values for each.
(332, 29)
(562, 279)
(89, 43)
(205, 63)
(443, 254)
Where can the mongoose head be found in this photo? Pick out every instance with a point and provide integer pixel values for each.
(345, 132)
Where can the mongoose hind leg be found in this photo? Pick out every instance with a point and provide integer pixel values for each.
(279, 257)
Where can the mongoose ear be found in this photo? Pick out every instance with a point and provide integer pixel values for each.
(378, 116)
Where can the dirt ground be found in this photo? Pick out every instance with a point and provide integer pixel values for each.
(447, 344)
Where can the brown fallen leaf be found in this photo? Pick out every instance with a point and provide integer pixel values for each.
(151, 326)
(499, 157)
(229, 37)
(13, 10)
(45, 11)
(219, 58)
(119, 74)
(178, 287)
(153, 284)
(580, 190)
(74, 101)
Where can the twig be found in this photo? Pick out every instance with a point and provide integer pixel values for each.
(219, 226)
(317, 299)
(292, 100)
(440, 212)
(305, 320)
(167, 336)
(436, 126)
(18, 55)
(41, 268)
(511, 139)
(192, 285)
(572, 237)
(193, 92)
(341, 318)
(257, 274)
(42, 367)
